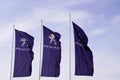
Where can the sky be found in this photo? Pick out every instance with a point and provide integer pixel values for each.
(100, 19)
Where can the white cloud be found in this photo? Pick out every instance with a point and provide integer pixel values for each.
(5, 34)
(81, 16)
(76, 2)
(98, 32)
(115, 21)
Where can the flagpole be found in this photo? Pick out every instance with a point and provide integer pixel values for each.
(70, 46)
(40, 66)
(12, 53)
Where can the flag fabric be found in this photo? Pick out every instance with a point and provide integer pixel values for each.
(23, 54)
(83, 54)
(51, 53)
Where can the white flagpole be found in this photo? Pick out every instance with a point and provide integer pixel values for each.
(70, 47)
(13, 36)
(40, 66)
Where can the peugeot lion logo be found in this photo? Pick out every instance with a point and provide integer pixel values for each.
(52, 38)
(24, 41)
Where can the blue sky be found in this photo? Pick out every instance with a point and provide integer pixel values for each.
(100, 19)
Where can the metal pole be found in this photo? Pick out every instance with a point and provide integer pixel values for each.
(70, 46)
(40, 66)
(12, 53)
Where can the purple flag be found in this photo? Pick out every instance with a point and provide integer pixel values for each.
(23, 54)
(83, 54)
(51, 53)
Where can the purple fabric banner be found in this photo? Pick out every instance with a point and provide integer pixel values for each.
(51, 53)
(23, 54)
(83, 54)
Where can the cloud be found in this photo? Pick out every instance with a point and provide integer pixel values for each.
(5, 34)
(108, 8)
(116, 20)
(98, 32)
(76, 2)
